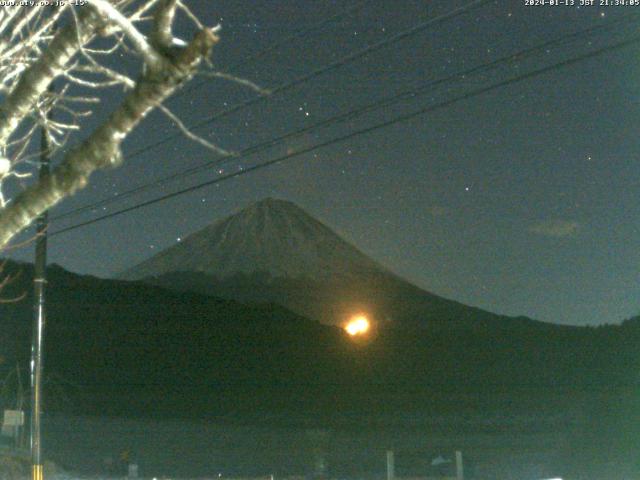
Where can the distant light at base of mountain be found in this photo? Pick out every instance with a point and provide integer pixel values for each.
(358, 325)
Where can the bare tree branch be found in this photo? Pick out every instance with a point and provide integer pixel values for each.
(70, 44)
(165, 13)
(108, 11)
(102, 148)
(35, 80)
(192, 136)
(239, 80)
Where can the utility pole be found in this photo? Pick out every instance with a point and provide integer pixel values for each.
(39, 317)
(459, 466)
(391, 468)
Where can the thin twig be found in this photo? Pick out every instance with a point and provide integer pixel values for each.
(239, 80)
(185, 130)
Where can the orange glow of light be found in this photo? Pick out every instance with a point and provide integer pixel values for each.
(358, 325)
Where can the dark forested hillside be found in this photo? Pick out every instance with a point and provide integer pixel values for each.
(108, 340)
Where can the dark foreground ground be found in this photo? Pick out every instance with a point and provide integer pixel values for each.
(590, 444)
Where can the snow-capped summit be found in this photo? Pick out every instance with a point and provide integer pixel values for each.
(271, 236)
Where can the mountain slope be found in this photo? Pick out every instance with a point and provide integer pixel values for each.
(274, 251)
(272, 236)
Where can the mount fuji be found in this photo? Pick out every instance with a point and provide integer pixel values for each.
(273, 251)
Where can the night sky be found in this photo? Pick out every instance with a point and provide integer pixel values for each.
(521, 201)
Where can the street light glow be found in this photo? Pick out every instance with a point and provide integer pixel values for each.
(358, 325)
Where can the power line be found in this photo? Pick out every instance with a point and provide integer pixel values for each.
(399, 119)
(343, 61)
(322, 70)
(276, 45)
(425, 88)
